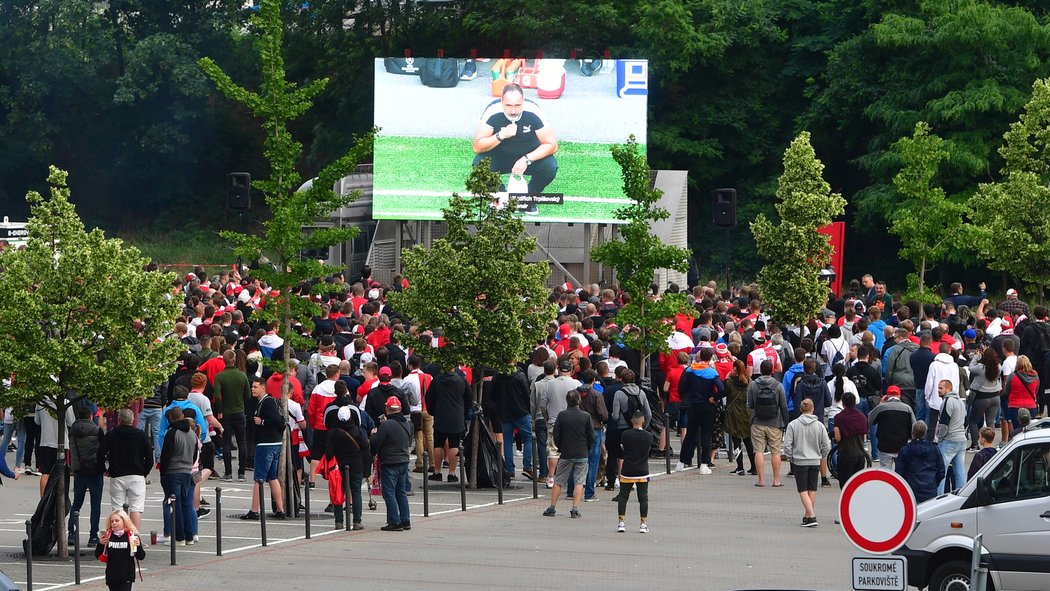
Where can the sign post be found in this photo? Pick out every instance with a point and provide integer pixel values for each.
(877, 511)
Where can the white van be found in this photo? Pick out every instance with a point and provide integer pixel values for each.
(1008, 501)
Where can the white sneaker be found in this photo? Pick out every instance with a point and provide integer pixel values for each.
(643, 528)
(704, 469)
(550, 482)
(679, 467)
(161, 539)
(621, 528)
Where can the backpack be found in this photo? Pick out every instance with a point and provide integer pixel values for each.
(766, 405)
(439, 72)
(634, 404)
(811, 387)
(401, 65)
(1042, 330)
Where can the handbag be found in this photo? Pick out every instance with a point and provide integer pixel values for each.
(104, 557)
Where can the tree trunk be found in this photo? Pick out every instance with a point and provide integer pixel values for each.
(284, 473)
(922, 275)
(61, 404)
(477, 374)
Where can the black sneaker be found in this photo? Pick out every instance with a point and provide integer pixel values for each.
(226, 478)
(330, 508)
(240, 478)
(204, 502)
(575, 513)
(407, 525)
(436, 477)
(250, 516)
(550, 512)
(203, 511)
(809, 522)
(452, 478)
(824, 481)
(392, 527)
(470, 71)
(93, 541)
(280, 515)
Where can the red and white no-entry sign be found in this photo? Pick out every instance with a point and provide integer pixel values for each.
(877, 511)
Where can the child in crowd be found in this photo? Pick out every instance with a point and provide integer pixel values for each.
(987, 442)
(122, 547)
(635, 472)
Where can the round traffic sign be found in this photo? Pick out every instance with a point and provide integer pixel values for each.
(877, 511)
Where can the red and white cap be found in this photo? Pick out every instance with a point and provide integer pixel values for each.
(393, 403)
(566, 286)
(722, 350)
(1007, 322)
(1011, 292)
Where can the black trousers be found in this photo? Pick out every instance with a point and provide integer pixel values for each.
(702, 426)
(233, 426)
(541, 172)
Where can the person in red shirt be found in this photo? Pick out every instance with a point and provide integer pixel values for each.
(370, 372)
(676, 411)
(724, 362)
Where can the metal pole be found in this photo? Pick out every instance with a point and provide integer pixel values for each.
(462, 480)
(27, 545)
(978, 575)
(76, 547)
(535, 462)
(262, 510)
(174, 528)
(347, 504)
(667, 442)
(426, 481)
(306, 497)
(218, 521)
(499, 480)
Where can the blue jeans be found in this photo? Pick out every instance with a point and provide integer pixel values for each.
(394, 480)
(865, 408)
(151, 417)
(592, 463)
(922, 410)
(180, 485)
(954, 454)
(524, 426)
(93, 485)
(9, 433)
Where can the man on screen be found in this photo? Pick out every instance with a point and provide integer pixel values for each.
(516, 138)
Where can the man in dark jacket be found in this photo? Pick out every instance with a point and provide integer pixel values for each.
(573, 436)
(375, 400)
(921, 359)
(702, 389)
(593, 403)
(392, 443)
(921, 464)
(512, 393)
(448, 399)
(269, 439)
(894, 420)
(87, 444)
(130, 460)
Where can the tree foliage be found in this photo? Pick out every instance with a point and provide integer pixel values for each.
(474, 286)
(278, 103)
(928, 223)
(80, 317)
(795, 251)
(639, 254)
(1011, 218)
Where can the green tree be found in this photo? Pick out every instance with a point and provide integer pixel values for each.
(80, 318)
(475, 286)
(278, 103)
(1011, 218)
(928, 223)
(639, 254)
(795, 251)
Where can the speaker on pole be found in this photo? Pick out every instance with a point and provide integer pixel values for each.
(238, 191)
(724, 209)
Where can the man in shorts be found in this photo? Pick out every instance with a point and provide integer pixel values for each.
(573, 436)
(806, 443)
(767, 434)
(209, 425)
(130, 458)
(448, 398)
(47, 445)
(269, 437)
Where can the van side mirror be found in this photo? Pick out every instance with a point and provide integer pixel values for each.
(982, 492)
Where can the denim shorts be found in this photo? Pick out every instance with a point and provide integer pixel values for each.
(266, 458)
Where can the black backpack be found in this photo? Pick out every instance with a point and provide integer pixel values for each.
(1042, 330)
(766, 405)
(811, 387)
(401, 65)
(439, 72)
(634, 404)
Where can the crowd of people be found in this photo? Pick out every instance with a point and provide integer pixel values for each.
(870, 379)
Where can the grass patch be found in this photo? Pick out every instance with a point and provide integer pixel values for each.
(443, 164)
(192, 248)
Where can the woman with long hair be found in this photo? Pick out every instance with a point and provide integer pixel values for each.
(121, 545)
(1023, 391)
(738, 417)
(985, 386)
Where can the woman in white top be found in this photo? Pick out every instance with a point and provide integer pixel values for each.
(839, 385)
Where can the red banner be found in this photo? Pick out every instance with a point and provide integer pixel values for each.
(837, 232)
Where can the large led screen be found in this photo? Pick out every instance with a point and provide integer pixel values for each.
(545, 125)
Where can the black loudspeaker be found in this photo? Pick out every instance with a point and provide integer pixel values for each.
(238, 191)
(724, 207)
